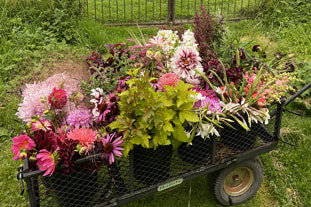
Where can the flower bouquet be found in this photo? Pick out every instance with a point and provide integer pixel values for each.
(148, 98)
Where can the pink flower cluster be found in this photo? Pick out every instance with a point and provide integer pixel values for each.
(80, 117)
(35, 95)
(168, 79)
(207, 98)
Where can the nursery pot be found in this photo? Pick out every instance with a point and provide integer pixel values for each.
(261, 131)
(151, 166)
(197, 153)
(238, 138)
(77, 188)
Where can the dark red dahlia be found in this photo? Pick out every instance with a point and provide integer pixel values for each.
(58, 98)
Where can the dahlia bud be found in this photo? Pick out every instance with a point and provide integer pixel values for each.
(32, 158)
(22, 155)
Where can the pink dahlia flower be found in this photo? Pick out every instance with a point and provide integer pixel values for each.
(168, 79)
(41, 125)
(112, 147)
(33, 94)
(22, 143)
(58, 98)
(46, 162)
(184, 63)
(86, 137)
(80, 118)
(207, 97)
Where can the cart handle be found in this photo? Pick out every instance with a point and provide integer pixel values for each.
(292, 98)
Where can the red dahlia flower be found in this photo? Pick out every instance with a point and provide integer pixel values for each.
(58, 98)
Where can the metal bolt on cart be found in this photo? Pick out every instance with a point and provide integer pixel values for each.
(234, 155)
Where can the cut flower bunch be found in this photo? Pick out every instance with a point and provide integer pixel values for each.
(149, 92)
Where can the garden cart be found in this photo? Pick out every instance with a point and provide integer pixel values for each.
(233, 156)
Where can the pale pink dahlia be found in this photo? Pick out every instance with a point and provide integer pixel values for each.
(112, 147)
(86, 137)
(35, 95)
(46, 162)
(21, 144)
(184, 63)
(80, 118)
(168, 79)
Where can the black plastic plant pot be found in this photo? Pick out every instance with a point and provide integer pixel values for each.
(197, 153)
(152, 166)
(77, 188)
(261, 131)
(237, 138)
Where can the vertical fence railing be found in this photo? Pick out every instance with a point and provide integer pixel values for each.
(132, 12)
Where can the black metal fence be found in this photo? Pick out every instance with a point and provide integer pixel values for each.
(153, 12)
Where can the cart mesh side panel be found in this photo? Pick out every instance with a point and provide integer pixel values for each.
(143, 168)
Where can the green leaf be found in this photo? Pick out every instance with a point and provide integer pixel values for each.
(115, 125)
(127, 148)
(179, 134)
(168, 114)
(189, 116)
(168, 127)
(240, 122)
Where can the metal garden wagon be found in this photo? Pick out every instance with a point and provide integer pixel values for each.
(233, 157)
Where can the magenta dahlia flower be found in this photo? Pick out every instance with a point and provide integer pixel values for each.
(207, 98)
(112, 147)
(41, 125)
(168, 79)
(58, 98)
(184, 63)
(80, 118)
(21, 144)
(46, 162)
(86, 137)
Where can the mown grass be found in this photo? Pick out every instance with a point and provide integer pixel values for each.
(287, 169)
(126, 11)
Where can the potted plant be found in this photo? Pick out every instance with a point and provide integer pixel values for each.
(152, 122)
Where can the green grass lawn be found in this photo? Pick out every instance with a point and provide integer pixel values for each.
(116, 11)
(287, 169)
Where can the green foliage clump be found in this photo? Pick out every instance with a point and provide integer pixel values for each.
(27, 28)
(151, 118)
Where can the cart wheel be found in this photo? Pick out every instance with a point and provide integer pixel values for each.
(239, 182)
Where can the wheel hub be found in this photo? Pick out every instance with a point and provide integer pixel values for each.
(238, 181)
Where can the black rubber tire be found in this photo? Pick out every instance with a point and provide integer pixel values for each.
(223, 198)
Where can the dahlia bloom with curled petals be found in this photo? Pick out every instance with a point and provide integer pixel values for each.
(80, 118)
(58, 98)
(112, 147)
(168, 79)
(46, 162)
(86, 137)
(184, 63)
(20, 144)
